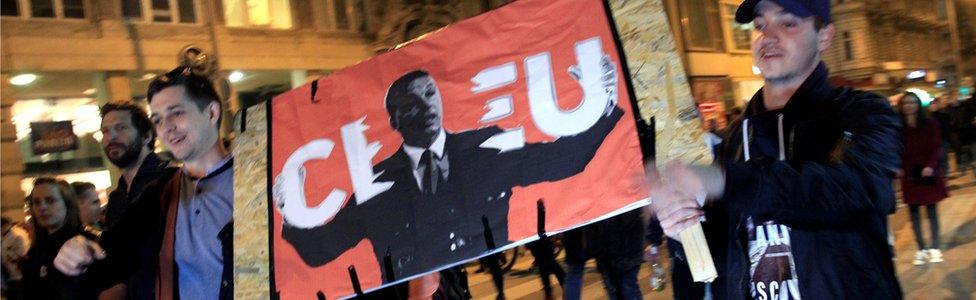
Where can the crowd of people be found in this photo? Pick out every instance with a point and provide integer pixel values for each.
(800, 206)
(166, 229)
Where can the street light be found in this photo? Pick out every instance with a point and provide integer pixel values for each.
(235, 76)
(23, 79)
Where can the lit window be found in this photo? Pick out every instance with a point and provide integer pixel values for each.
(53, 9)
(701, 24)
(848, 48)
(740, 34)
(42, 8)
(73, 9)
(343, 15)
(9, 8)
(161, 11)
(258, 13)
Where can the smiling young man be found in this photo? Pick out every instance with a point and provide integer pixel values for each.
(187, 215)
(808, 172)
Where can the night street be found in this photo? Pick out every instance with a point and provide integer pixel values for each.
(953, 279)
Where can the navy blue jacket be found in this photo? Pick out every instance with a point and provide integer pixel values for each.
(830, 181)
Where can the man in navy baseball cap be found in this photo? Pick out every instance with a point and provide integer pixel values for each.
(803, 223)
(800, 8)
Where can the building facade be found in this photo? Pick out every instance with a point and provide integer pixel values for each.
(890, 45)
(70, 56)
(885, 46)
(83, 53)
(716, 53)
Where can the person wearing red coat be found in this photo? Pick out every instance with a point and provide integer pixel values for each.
(922, 181)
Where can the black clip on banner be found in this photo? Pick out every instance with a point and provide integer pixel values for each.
(388, 266)
(489, 237)
(492, 260)
(540, 218)
(243, 113)
(543, 251)
(315, 89)
(355, 281)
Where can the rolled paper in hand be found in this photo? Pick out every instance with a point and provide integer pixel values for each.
(699, 258)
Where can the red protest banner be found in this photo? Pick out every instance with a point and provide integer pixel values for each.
(403, 155)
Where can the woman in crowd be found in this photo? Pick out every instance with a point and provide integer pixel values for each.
(922, 183)
(54, 211)
(89, 206)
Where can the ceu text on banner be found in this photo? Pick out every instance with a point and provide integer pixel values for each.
(400, 158)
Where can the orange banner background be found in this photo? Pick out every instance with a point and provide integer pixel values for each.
(453, 56)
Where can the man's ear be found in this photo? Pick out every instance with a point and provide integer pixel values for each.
(213, 110)
(825, 36)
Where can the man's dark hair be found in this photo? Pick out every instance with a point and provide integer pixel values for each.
(199, 89)
(4, 221)
(400, 90)
(81, 186)
(139, 118)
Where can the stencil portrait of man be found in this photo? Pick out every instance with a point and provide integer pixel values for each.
(444, 183)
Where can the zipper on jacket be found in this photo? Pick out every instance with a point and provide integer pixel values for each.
(746, 139)
(779, 136)
(792, 138)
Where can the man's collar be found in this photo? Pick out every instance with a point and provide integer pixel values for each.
(416, 152)
(150, 163)
(221, 166)
(814, 88)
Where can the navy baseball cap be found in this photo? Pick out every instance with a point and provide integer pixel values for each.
(800, 8)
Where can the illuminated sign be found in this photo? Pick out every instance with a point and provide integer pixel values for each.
(52, 137)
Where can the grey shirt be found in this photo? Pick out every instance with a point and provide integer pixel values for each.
(206, 206)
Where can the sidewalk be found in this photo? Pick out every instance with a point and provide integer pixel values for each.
(953, 279)
(956, 277)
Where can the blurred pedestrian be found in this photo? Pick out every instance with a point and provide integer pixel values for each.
(89, 205)
(713, 136)
(921, 181)
(546, 264)
(54, 208)
(617, 245)
(16, 241)
(937, 107)
(968, 135)
(962, 132)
